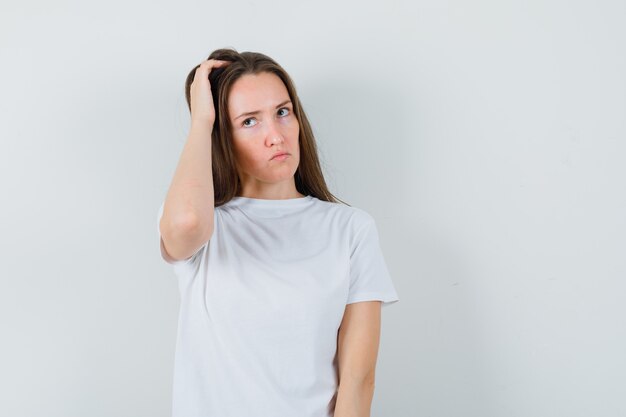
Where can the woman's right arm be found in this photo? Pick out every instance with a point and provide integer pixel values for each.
(187, 220)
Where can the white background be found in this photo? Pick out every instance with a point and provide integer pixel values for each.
(487, 138)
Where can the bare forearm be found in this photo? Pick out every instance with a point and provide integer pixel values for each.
(190, 198)
(354, 400)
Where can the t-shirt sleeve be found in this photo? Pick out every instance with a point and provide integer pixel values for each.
(369, 276)
(178, 264)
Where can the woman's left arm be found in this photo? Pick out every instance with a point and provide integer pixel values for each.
(357, 351)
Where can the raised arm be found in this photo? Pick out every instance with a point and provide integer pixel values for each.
(187, 220)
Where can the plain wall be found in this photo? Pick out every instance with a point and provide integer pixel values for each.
(487, 138)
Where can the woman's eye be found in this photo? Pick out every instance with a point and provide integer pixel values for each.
(286, 111)
(246, 124)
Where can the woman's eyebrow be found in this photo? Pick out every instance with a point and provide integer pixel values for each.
(250, 113)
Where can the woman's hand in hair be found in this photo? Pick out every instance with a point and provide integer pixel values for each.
(202, 108)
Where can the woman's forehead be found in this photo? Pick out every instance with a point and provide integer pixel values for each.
(253, 92)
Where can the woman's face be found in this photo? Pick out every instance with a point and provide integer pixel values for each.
(263, 124)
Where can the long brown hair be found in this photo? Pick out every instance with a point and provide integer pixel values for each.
(308, 177)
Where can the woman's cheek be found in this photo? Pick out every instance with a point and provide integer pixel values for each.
(290, 123)
(295, 126)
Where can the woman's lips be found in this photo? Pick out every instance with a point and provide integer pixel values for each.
(281, 157)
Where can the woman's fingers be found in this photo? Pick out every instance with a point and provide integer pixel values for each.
(202, 72)
(202, 109)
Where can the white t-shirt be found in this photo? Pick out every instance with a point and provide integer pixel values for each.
(261, 303)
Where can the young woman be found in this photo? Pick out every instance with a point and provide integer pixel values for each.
(281, 285)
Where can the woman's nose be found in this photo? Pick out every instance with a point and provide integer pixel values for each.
(273, 134)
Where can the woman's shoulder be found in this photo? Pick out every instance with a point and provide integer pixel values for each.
(355, 216)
